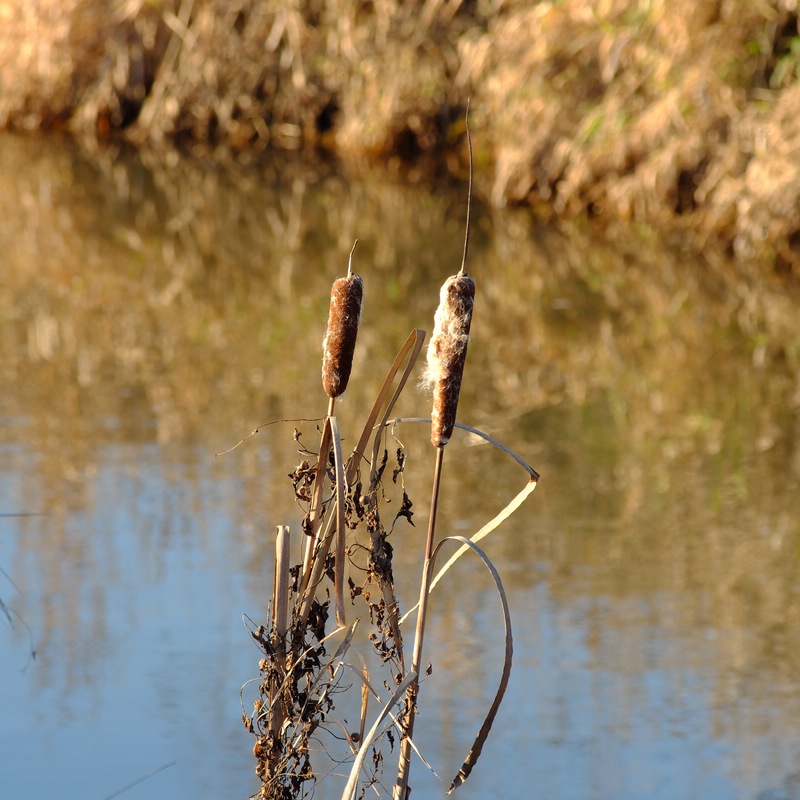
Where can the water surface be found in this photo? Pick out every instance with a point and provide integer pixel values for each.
(153, 314)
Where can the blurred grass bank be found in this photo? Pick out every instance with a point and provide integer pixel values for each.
(677, 113)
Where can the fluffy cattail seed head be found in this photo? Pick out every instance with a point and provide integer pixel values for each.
(447, 352)
(339, 344)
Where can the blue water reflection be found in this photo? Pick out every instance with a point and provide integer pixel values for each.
(145, 649)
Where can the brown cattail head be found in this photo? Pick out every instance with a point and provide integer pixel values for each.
(339, 344)
(447, 352)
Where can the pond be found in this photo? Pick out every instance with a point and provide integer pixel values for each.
(156, 310)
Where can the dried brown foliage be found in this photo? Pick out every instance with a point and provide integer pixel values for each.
(652, 111)
(667, 112)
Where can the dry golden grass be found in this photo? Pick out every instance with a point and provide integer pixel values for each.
(676, 113)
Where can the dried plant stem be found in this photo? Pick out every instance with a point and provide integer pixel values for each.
(352, 783)
(463, 269)
(409, 353)
(281, 600)
(333, 524)
(401, 785)
(477, 747)
(316, 510)
(447, 354)
(393, 618)
(280, 626)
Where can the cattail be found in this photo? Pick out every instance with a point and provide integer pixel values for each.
(339, 344)
(447, 349)
(447, 352)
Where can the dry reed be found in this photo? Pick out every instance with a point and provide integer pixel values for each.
(447, 355)
(299, 679)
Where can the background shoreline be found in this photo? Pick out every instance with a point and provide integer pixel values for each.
(681, 116)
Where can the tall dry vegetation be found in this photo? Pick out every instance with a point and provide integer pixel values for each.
(342, 497)
(670, 112)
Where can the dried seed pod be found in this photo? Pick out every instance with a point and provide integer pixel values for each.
(339, 344)
(447, 352)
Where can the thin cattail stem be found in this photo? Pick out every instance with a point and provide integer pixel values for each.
(281, 600)
(447, 354)
(350, 259)
(321, 531)
(462, 271)
(401, 785)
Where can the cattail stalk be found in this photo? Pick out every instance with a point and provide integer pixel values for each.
(447, 349)
(447, 354)
(339, 344)
(400, 790)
